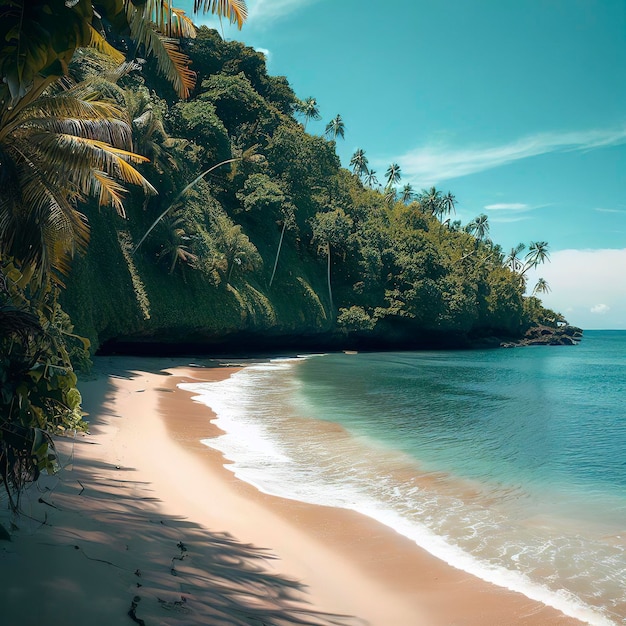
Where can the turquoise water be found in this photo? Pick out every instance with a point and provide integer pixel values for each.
(509, 464)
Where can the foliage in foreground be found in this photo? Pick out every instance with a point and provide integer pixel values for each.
(38, 394)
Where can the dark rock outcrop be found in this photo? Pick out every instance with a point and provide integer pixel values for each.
(565, 335)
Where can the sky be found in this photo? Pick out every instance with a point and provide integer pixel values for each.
(517, 108)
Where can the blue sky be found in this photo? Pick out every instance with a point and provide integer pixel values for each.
(517, 108)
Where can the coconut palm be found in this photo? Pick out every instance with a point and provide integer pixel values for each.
(512, 261)
(176, 203)
(431, 201)
(541, 287)
(358, 163)
(393, 174)
(335, 128)
(448, 204)
(407, 194)
(57, 150)
(391, 195)
(289, 221)
(370, 179)
(309, 109)
(479, 227)
(537, 254)
(176, 244)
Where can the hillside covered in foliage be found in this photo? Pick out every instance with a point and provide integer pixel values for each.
(265, 241)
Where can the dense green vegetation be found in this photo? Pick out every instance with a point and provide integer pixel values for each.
(196, 211)
(282, 245)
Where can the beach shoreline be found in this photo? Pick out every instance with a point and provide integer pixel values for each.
(145, 510)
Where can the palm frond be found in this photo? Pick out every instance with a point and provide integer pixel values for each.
(55, 151)
(74, 158)
(121, 70)
(172, 63)
(184, 25)
(168, 20)
(114, 132)
(102, 45)
(109, 191)
(235, 10)
(50, 230)
(130, 175)
(83, 102)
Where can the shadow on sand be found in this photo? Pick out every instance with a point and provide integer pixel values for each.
(93, 544)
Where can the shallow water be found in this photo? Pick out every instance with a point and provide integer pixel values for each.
(509, 464)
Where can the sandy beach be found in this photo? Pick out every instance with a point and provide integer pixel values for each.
(145, 525)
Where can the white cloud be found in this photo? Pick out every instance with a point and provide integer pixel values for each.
(431, 164)
(601, 210)
(503, 206)
(509, 219)
(265, 52)
(580, 280)
(601, 309)
(509, 212)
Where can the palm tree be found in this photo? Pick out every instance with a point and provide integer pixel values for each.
(309, 109)
(289, 220)
(358, 163)
(513, 261)
(541, 287)
(479, 227)
(335, 128)
(431, 201)
(391, 195)
(57, 150)
(176, 203)
(176, 245)
(407, 194)
(370, 179)
(393, 174)
(537, 254)
(448, 203)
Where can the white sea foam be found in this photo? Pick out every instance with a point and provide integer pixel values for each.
(269, 446)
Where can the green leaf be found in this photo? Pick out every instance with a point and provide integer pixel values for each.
(73, 398)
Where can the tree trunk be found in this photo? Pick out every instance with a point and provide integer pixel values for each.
(280, 243)
(330, 291)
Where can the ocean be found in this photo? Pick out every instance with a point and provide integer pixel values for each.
(508, 464)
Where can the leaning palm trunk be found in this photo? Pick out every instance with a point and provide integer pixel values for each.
(330, 291)
(280, 243)
(178, 197)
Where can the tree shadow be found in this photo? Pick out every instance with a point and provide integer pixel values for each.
(104, 537)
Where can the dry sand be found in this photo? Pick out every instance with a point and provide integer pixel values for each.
(145, 519)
